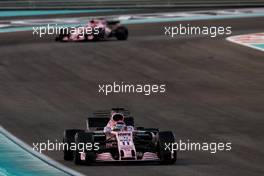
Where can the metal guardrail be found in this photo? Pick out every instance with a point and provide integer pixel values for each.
(93, 4)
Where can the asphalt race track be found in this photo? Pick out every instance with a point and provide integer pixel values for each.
(215, 92)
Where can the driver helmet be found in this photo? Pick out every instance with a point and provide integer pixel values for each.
(92, 21)
(117, 117)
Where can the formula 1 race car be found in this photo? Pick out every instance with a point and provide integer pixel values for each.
(112, 137)
(94, 30)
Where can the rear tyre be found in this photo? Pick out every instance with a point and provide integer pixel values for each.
(68, 138)
(121, 33)
(81, 139)
(166, 156)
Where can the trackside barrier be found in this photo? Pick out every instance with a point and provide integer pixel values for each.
(94, 4)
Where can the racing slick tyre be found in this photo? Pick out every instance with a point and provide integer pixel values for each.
(96, 35)
(63, 33)
(81, 139)
(166, 155)
(121, 33)
(68, 138)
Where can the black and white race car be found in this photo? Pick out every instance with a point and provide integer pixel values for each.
(111, 136)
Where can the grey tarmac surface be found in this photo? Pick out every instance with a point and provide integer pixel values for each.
(215, 92)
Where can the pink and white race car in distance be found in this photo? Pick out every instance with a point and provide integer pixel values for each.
(118, 140)
(94, 30)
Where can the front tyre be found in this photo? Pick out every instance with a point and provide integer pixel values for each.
(68, 139)
(81, 139)
(166, 156)
(64, 32)
(121, 33)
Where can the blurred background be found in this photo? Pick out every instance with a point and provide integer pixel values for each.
(71, 4)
